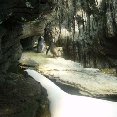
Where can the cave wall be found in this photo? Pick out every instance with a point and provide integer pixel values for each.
(90, 25)
(20, 19)
(87, 30)
(10, 48)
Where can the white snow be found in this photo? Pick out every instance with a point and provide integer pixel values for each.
(63, 104)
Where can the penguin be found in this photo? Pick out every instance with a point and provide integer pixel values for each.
(52, 49)
(41, 45)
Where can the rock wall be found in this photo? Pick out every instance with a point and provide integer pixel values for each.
(87, 29)
(10, 47)
(20, 95)
(90, 26)
(20, 19)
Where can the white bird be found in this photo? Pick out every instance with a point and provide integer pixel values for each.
(63, 104)
(41, 45)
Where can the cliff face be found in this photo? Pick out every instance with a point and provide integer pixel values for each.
(89, 30)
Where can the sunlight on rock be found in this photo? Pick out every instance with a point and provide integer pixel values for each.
(87, 79)
(60, 64)
(65, 32)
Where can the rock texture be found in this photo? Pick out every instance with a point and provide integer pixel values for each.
(21, 96)
(10, 48)
(87, 30)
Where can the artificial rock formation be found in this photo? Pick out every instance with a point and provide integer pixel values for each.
(20, 95)
(87, 31)
(87, 28)
(15, 17)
